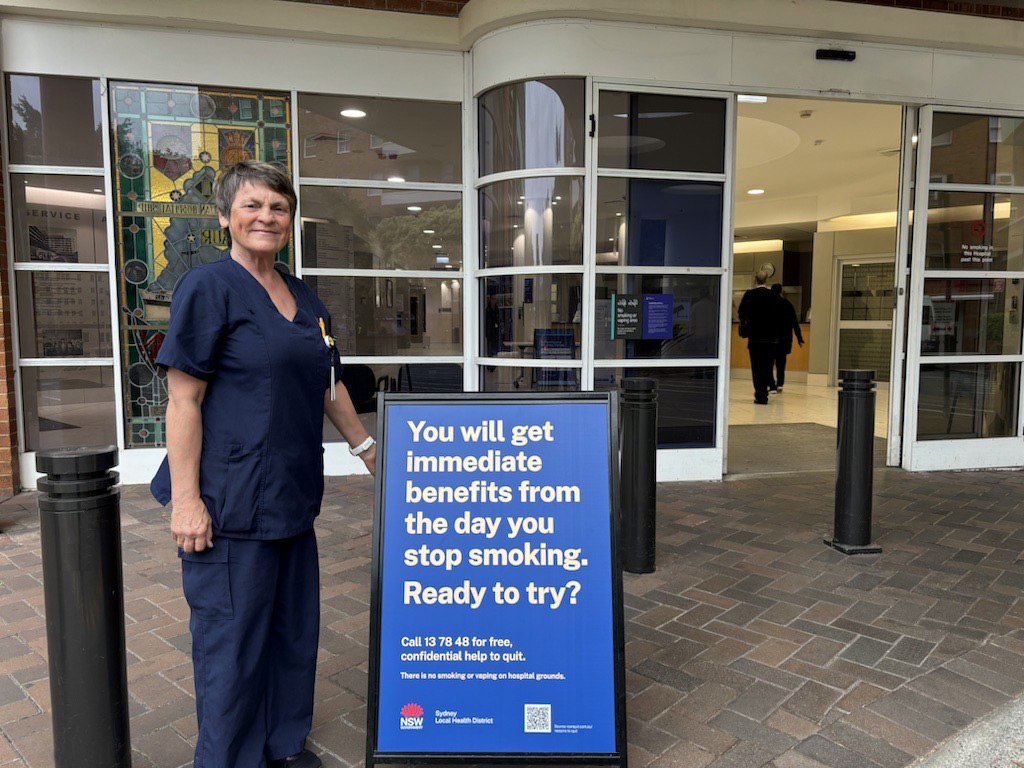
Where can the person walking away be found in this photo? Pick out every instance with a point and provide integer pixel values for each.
(788, 325)
(758, 313)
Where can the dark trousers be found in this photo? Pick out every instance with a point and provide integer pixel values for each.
(762, 355)
(255, 629)
(781, 353)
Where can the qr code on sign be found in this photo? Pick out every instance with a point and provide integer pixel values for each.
(538, 718)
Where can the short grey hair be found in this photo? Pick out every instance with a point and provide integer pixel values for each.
(232, 178)
(760, 277)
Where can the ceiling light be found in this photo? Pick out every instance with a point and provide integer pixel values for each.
(396, 179)
(558, 197)
(428, 231)
(437, 247)
(755, 191)
(618, 213)
(746, 98)
(522, 197)
(913, 139)
(97, 190)
(442, 259)
(515, 226)
(554, 202)
(519, 202)
(414, 208)
(352, 113)
(611, 239)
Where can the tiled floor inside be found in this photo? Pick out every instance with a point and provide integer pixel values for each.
(752, 645)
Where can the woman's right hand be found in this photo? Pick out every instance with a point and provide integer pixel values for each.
(191, 526)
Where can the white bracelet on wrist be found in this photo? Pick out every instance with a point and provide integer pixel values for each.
(363, 447)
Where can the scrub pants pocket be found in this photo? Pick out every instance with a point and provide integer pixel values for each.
(206, 581)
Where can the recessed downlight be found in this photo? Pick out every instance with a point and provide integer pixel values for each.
(428, 231)
(413, 208)
(352, 113)
(396, 179)
(755, 191)
(437, 247)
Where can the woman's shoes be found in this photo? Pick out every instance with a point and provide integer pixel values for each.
(305, 759)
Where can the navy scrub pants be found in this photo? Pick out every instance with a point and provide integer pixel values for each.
(255, 629)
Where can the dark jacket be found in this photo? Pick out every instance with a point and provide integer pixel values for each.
(759, 312)
(788, 325)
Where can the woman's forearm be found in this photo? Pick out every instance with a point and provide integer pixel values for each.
(184, 435)
(343, 416)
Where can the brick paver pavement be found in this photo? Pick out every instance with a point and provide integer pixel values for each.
(752, 645)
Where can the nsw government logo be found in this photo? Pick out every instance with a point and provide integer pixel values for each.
(412, 718)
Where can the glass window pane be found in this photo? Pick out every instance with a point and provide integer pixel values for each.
(538, 316)
(867, 291)
(364, 381)
(67, 407)
(866, 349)
(358, 137)
(977, 149)
(393, 315)
(974, 230)
(64, 314)
(657, 316)
(533, 124)
(527, 379)
(642, 223)
(971, 317)
(55, 121)
(381, 229)
(660, 132)
(967, 401)
(59, 219)
(528, 222)
(686, 402)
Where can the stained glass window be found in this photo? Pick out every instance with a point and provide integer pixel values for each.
(169, 143)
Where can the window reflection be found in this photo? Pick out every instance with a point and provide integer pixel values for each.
(532, 222)
(686, 402)
(62, 219)
(67, 407)
(64, 314)
(534, 316)
(656, 316)
(532, 124)
(55, 121)
(974, 230)
(654, 131)
(977, 149)
(659, 223)
(529, 379)
(357, 137)
(358, 228)
(968, 401)
(971, 317)
(393, 315)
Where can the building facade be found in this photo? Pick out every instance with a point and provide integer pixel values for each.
(513, 196)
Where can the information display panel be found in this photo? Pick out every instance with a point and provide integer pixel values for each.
(496, 628)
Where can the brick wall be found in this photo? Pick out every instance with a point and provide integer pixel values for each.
(430, 7)
(1009, 9)
(9, 474)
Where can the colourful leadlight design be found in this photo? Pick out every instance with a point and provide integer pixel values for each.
(169, 143)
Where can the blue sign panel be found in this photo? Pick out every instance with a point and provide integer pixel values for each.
(657, 316)
(495, 618)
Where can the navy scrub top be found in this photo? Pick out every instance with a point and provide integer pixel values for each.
(261, 471)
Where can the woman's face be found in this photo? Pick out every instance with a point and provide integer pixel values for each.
(260, 220)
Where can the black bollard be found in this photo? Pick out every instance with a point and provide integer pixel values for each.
(855, 445)
(638, 448)
(80, 531)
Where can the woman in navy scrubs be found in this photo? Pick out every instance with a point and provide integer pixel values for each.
(251, 371)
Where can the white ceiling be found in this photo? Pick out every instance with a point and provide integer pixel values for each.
(841, 159)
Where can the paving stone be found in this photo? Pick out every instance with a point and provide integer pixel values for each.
(759, 700)
(865, 650)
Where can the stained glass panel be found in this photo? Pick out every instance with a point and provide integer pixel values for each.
(169, 143)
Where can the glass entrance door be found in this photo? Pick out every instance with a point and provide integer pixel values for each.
(865, 287)
(660, 199)
(963, 388)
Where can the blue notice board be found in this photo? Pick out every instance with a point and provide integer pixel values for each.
(496, 608)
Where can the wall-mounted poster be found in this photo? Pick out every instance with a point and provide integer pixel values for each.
(169, 145)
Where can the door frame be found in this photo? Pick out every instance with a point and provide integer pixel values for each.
(837, 277)
(969, 453)
(686, 463)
